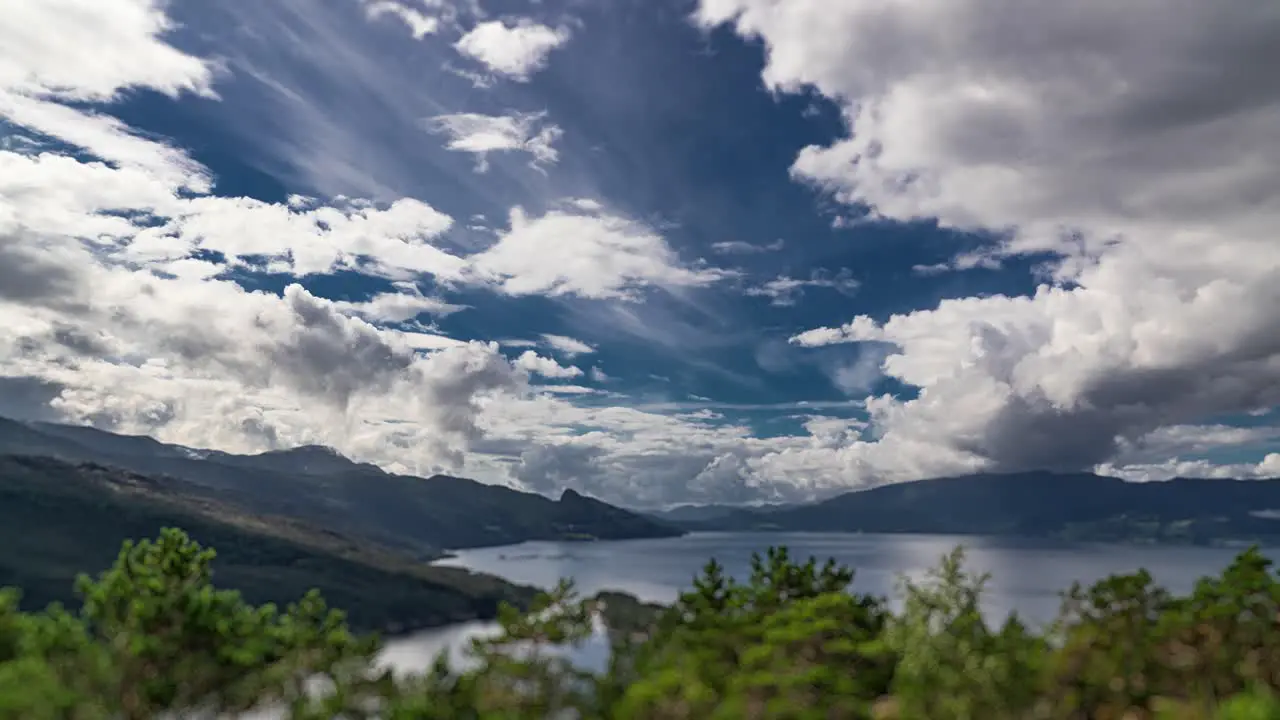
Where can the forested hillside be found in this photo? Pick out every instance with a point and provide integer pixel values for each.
(58, 519)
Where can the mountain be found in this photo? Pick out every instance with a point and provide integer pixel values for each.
(320, 487)
(1037, 504)
(699, 513)
(308, 459)
(59, 518)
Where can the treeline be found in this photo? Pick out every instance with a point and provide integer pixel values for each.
(154, 638)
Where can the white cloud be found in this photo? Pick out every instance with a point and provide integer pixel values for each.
(591, 255)
(104, 137)
(322, 237)
(532, 362)
(62, 195)
(516, 50)
(92, 50)
(858, 377)
(586, 204)
(567, 345)
(483, 134)
(104, 309)
(784, 291)
(1151, 168)
(564, 389)
(134, 351)
(114, 311)
(739, 247)
(424, 340)
(518, 342)
(860, 328)
(1267, 468)
(420, 24)
(108, 318)
(402, 306)
(1176, 440)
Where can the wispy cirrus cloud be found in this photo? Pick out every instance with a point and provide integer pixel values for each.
(567, 345)
(784, 290)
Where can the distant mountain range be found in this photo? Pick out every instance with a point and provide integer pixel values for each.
(699, 513)
(282, 522)
(286, 521)
(1036, 504)
(318, 486)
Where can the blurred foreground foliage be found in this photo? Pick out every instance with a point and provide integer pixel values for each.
(154, 638)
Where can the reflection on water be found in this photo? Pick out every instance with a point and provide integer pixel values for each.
(416, 653)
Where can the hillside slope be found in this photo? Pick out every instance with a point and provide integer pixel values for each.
(321, 488)
(59, 518)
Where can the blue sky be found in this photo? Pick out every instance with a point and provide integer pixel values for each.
(658, 250)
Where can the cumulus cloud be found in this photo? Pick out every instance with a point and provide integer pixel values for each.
(587, 254)
(858, 377)
(404, 305)
(783, 290)
(59, 194)
(516, 50)
(143, 352)
(655, 457)
(1149, 169)
(420, 24)
(78, 50)
(483, 134)
(120, 306)
(1267, 468)
(535, 364)
(30, 274)
(72, 50)
(109, 317)
(1180, 439)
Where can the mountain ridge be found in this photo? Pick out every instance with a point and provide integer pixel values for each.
(425, 516)
(1035, 504)
(59, 518)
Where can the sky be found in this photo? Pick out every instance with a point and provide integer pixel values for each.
(658, 251)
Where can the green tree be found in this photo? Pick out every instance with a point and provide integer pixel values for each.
(789, 642)
(154, 634)
(952, 666)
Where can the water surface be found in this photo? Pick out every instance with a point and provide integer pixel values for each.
(1026, 575)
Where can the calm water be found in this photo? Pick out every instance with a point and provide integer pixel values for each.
(1026, 576)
